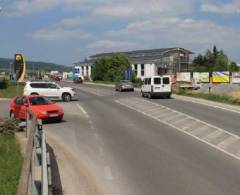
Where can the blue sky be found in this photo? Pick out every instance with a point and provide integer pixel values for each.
(67, 31)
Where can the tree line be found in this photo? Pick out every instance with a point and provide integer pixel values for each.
(213, 60)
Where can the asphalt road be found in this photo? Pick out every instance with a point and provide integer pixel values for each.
(104, 147)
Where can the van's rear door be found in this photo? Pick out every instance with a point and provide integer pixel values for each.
(157, 84)
(166, 84)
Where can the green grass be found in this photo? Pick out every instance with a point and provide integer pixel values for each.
(212, 97)
(10, 164)
(12, 90)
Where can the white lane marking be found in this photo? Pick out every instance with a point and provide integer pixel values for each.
(96, 136)
(201, 129)
(190, 125)
(200, 121)
(180, 120)
(83, 111)
(212, 135)
(108, 173)
(189, 133)
(100, 150)
(209, 105)
(225, 143)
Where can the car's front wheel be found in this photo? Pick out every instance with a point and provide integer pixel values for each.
(66, 97)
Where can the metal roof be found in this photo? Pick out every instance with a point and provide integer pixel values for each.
(138, 56)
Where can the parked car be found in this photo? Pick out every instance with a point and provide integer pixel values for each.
(56, 77)
(41, 106)
(78, 80)
(157, 86)
(49, 89)
(124, 86)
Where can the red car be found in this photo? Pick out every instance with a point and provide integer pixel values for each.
(42, 107)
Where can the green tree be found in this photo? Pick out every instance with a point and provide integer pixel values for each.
(99, 69)
(215, 60)
(233, 67)
(110, 68)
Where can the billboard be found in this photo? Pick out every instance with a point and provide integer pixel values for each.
(220, 77)
(184, 76)
(236, 77)
(128, 74)
(19, 67)
(201, 77)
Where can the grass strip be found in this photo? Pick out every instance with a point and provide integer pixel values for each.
(10, 164)
(12, 90)
(213, 97)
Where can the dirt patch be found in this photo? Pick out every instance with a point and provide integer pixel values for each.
(235, 94)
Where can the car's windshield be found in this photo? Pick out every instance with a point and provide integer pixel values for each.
(39, 101)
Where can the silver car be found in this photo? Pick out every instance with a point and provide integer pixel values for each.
(124, 85)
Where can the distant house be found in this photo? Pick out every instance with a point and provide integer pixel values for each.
(147, 62)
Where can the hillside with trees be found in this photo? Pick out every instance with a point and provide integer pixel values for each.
(6, 64)
(215, 60)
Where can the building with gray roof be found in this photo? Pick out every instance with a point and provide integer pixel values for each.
(147, 62)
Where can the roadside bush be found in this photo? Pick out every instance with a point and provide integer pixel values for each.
(137, 82)
(3, 84)
(8, 126)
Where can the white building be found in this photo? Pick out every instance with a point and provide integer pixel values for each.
(83, 70)
(147, 63)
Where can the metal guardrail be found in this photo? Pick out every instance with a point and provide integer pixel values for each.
(34, 179)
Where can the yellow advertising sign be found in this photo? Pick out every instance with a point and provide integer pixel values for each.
(221, 77)
(19, 67)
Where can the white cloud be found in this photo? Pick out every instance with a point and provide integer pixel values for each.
(177, 31)
(59, 34)
(23, 7)
(143, 8)
(105, 8)
(227, 8)
(76, 21)
(110, 45)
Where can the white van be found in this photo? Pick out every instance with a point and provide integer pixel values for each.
(157, 86)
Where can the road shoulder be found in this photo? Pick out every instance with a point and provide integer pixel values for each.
(74, 174)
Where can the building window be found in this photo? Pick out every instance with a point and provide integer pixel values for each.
(135, 66)
(142, 69)
(136, 69)
(87, 71)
